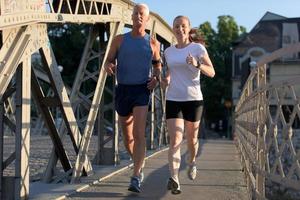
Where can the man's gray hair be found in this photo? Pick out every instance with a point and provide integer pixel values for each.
(144, 6)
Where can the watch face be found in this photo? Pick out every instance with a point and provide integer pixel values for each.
(199, 62)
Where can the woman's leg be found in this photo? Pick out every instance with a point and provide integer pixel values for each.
(192, 129)
(175, 130)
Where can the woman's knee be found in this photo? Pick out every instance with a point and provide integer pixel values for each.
(175, 144)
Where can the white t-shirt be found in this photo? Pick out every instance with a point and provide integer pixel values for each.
(185, 78)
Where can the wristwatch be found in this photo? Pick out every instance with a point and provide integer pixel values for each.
(199, 63)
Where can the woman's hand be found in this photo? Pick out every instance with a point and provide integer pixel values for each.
(191, 60)
(165, 82)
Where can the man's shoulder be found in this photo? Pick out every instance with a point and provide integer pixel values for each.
(118, 39)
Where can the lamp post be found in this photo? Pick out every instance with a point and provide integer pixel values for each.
(228, 104)
(58, 120)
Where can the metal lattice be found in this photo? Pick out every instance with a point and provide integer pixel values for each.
(267, 127)
(23, 30)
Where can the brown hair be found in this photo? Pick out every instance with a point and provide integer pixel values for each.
(196, 36)
(181, 16)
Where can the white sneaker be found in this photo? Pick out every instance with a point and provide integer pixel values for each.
(192, 171)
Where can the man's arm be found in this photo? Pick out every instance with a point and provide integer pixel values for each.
(156, 59)
(156, 64)
(110, 62)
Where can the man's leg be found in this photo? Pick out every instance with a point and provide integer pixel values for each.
(139, 147)
(127, 128)
(127, 132)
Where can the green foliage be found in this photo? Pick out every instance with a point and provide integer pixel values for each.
(218, 44)
(68, 43)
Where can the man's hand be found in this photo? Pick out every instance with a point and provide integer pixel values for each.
(152, 83)
(110, 68)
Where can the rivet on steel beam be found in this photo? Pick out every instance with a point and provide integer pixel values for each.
(59, 17)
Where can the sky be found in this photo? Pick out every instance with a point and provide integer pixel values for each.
(245, 13)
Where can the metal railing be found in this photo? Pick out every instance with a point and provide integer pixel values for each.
(267, 128)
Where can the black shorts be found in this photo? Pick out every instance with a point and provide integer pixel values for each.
(129, 96)
(187, 110)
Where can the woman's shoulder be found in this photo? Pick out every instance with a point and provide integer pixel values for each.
(198, 47)
(168, 49)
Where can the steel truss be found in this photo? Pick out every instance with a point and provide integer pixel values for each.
(23, 29)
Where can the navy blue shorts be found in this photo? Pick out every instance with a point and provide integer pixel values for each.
(129, 96)
(187, 110)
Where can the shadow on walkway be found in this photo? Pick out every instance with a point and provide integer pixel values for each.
(219, 177)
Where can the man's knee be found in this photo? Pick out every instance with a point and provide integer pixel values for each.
(139, 137)
(128, 141)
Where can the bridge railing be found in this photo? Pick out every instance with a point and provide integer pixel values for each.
(267, 124)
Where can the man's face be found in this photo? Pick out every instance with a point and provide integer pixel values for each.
(140, 16)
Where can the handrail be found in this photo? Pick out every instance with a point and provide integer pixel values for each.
(267, 125)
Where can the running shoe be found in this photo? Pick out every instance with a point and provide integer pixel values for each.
(173, 186)
(135, 184)
(192, 171)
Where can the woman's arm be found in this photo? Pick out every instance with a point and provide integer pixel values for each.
(165, 81)
(206, 67)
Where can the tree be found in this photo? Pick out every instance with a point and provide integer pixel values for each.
(218, 44)
(68, 43)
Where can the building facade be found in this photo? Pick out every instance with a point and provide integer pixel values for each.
(271, 33)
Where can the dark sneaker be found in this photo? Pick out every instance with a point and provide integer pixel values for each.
(173, 186)
(192, 171)
(135, 185)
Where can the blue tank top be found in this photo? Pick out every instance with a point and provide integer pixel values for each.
(134, 60)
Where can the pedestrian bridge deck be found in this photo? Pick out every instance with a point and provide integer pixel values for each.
(219, 176)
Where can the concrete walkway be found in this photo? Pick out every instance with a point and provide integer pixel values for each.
(219, 178)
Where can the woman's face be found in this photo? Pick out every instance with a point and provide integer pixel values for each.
(181, 28)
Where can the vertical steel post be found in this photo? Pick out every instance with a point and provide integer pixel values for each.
(23, 99)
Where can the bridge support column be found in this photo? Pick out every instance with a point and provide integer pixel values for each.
(23, 100)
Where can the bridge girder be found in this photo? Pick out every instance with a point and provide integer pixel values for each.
(23, 29)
